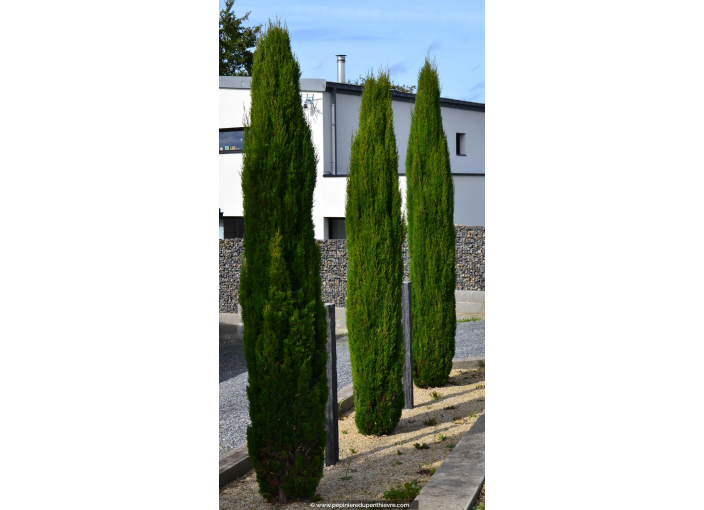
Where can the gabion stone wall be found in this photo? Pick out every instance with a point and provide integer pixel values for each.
(333, 269)
(469, 257)
(230, 260)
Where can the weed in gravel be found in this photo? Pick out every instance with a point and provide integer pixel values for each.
(430, 422)
(448, 408)
(364, 475)
(427, 471)
(479, 386)
(423, 446)
(353, 450)
(398, 462)
(480, 506)
(472, 414)
(441, 438)
(450, 446)
(399, 452)
(347, 478)
(344, 432)
(408, 492)
(469, 319)
(435, 395)
(428, 407)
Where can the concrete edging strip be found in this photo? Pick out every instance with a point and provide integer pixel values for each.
(469, 362)
(459, 479)
(235, 463)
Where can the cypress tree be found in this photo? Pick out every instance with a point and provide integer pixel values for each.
(431, 236)
(280, 290)
(374, 230)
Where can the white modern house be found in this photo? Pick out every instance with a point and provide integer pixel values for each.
(332, 110)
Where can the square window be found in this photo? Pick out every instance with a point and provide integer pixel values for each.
(461, 149)
(233, 227)
(231, 140)
(336, 228)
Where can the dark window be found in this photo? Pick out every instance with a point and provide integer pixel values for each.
(336, 228)
(461, 149)
(233, 227)
(231, 140)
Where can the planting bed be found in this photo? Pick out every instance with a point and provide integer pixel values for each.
(371, 465)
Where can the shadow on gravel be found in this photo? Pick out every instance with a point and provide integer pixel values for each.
(232, 361)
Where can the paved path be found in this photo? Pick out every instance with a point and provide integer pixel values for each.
(234, 407)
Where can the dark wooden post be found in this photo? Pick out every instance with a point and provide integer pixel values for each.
(407, 345)
(332, 449)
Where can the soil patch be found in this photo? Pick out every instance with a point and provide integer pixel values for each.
(371, 465)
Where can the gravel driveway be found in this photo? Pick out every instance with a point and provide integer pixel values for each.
(234, 407)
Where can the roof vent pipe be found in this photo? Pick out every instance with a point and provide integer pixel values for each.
(341, 68)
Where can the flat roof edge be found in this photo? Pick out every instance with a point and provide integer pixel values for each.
(245, 82)
(235, 82)
(396, 95)
(318, 85)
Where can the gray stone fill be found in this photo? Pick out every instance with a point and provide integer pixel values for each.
(469, 256)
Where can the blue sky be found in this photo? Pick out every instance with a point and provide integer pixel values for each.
(384, 33)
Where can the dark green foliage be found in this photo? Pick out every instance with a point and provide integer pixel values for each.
(408, 492)
(374, 230)
(282, 310)
(235, 40)
(431, 236)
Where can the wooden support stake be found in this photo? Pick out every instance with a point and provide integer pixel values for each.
(332, 449)
(407, 345)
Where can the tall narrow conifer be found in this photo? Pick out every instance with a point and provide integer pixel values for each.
(375, 265)
(431, 236)
(282, 310)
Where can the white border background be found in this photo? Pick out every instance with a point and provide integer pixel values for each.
(108, 192)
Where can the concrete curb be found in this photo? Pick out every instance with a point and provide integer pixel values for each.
(469, 362)
(236, 462)
(458, 480)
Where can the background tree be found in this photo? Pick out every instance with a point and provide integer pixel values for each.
(431, 236)
(394, 86)
(282, 310)
(235, 40)
(374, 230)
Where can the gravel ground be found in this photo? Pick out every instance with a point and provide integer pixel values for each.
(234, 407)
(371, 465)
(469, 339)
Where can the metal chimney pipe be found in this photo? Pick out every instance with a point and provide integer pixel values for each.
(341, 68)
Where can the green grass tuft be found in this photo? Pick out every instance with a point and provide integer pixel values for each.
(408, 492)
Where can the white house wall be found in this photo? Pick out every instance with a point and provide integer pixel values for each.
(402, 128)
(472, 124)
(230, 191)
(329, 195)
(469, 200)
(347, 120)
(233, 105)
